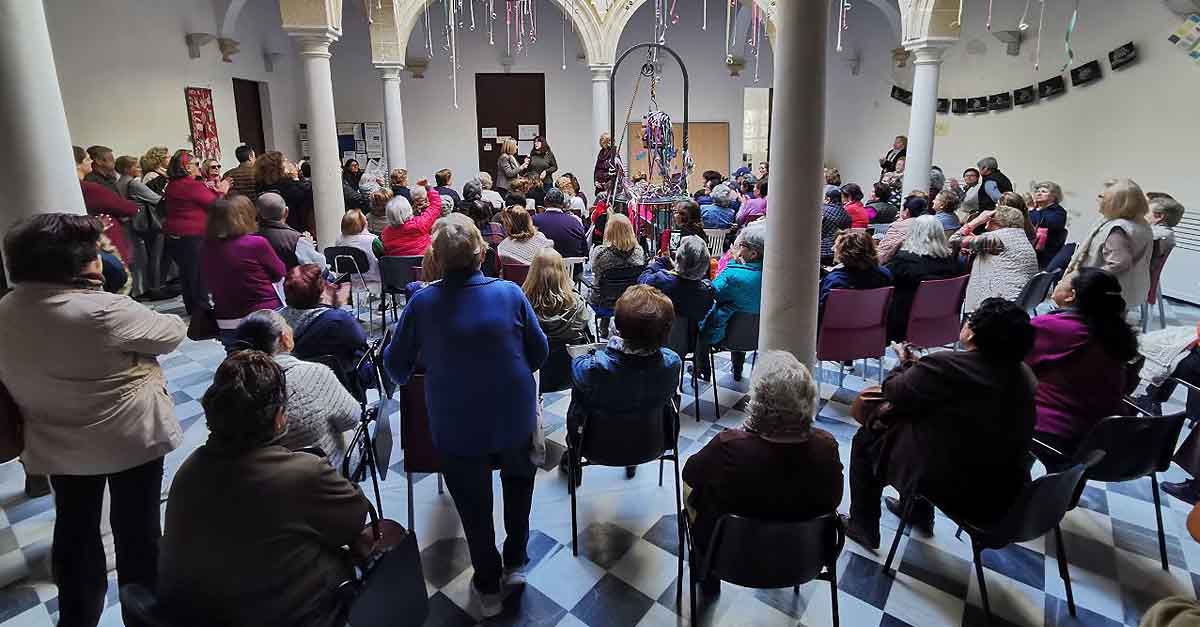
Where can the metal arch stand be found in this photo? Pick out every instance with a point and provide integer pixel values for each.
(612, 89)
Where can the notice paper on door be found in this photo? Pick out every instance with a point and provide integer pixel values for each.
(487, 133)
(527, 131)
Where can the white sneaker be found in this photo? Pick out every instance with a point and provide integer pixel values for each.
(513, 577)
(490, 605)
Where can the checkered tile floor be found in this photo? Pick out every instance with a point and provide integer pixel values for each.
(626, 571)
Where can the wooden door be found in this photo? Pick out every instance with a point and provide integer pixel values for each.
(707, 141)
(248, 105)
(504, 102)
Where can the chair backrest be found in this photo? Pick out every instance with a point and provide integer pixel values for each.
(854, 324)
(1040, 506)
(767, 554)
(614, 282)
(1157, 262)
(515, 272)
(1036, 290)
(629, 439)
(555, 375)
(683, 335)
(416, 440)
(936, 314)
(741, 332)
(1133, 446)
(417, 273)
(347, 259)
(716, 240)
(496, 234)
(396, 272)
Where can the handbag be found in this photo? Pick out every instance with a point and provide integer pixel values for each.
(391, 591)
(203, 325)
(870, 408)
(12, 427)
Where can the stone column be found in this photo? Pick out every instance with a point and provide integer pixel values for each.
(926, 68)
(791, 270)
(601, 107)
(40, 173)
(393, 115)
(322, 132)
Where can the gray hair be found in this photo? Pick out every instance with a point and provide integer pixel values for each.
(263, 331)
(754, 236)
(419, 193)
(692, 258)
(989, 163)
(485, 180)
(1170, 208)
(937, 179)
(783, 398)
(399, 211)
(457, 243)
(926, 237)
(1051, 187)
(722, 196)
(271, 206)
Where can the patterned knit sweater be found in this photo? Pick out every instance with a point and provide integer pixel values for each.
(319, 409)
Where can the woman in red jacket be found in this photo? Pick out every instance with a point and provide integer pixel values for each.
(188, 200)
(408, 234)
(107, 204)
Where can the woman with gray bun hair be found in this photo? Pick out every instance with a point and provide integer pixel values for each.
(684, 281)
(754, 471)
(720, 214)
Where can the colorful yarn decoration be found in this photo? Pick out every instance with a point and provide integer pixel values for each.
(658, 136)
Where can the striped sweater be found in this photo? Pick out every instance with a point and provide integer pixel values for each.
(319, 409)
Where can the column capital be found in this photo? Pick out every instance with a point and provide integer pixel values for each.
(927, 51)
(314, 42)
(601, 72)
(390, 71)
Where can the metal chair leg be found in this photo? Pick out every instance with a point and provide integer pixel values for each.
(1162, 310)
(679, 525)
(1162, 537)
(833, 589)
(408, 477)
(660, 471)
(441, 490)
(712, 373)
(983, 596)
(571, 489)
(907, 511)
(881, 357)
(1063, 570)
(1144, 310)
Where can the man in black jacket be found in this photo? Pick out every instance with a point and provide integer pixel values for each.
(993, 183)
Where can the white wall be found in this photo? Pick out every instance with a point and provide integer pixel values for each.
(123, 66)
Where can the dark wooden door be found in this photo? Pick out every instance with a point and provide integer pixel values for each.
(504, 102)
(248, 104)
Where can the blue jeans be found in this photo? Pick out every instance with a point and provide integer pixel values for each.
(470, 482)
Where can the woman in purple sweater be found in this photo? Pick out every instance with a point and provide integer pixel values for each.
(239, 267)
(1079, 358)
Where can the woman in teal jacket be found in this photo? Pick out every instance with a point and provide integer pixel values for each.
(738, 289)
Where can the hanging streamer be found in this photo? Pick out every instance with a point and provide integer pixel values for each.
(674, 14)
(564, 43)
(958, 22)
(1071, 31)
(453, 53)
(507, 24)
(428, 34)
(491, 22)
(704, 25)
(758, 23)
(1024, 24)
(472, 4)
(989, 15)
(1037, 59)
(842, 24)
(728, 25)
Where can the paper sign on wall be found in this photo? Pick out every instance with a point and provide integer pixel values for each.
(487, 132)
(487, 147)
(360, 146)
(345, 129)
(347, 155)
(527, 131)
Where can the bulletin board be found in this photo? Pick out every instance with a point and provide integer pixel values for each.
(362, 141)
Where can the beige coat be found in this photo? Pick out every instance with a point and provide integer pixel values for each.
(81, 365)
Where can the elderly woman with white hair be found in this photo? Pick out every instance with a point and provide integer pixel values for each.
(1004, 258)
(469, 323)
(1050, 220)
(721, 213)
(409, 228)
(684, 280)
(489, 195)
(754, 471)
(925, 255)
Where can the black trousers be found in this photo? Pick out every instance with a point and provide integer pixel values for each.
(470, 482)
(868, 477)
(185, 252)
(78, 551)
(147, 255)
(1187, 370)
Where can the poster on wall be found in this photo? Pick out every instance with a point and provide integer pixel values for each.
(1087, 73)
(1051, 87)
(373, 131)
(1120, 57)
(203, 123)
(1025, 95)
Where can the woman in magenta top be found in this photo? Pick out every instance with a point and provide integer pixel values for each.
(240, 267)
(754, 208)
(188, 200)
(1079, 357)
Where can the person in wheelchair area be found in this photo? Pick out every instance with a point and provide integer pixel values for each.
(634, 373)
(244, 505)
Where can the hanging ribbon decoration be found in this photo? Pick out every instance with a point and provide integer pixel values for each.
(453, 52)
(428, 35)
(564, 43)
(728, 26)
(991, 4)
(507, 25)
(757, 23)
(472, 5)
(674, 14)
(1024, 24)
(704, 25)
(532, 24)
(958, 22)
(490, 18)
(1071, 31)
(842, 24)
(1037, 58)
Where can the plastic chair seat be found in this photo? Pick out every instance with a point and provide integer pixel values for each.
(935, 318)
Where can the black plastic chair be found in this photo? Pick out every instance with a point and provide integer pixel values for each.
(1036, 290)
(765, 554)
(682, 339)
(613, 283)
(139, 601)
(1133, 447)
(1039, 508)
(395, 273)
(623, 440)
(555, 375)
(741, 334)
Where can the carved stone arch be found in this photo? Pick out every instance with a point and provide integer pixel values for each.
(582, 14)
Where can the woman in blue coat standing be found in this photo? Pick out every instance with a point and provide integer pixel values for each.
(469, 323)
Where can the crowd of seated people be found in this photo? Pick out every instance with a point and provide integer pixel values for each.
(925, 255)
(857, 267)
